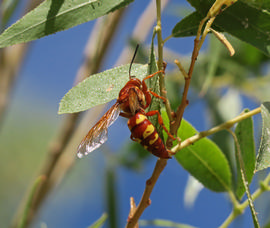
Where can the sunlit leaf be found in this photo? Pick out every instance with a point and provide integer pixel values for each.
(99, 222)
(53, 16)
(188, 26)
(99, 88)
(244, 134)
(203, 160)
(27, 209)
(163, 223)
(153, 84)
(263, 159)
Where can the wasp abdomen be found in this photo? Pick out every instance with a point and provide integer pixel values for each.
(144, 132)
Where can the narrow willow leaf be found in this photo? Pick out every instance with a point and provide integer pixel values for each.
(203, 160)
(244, 21)
(188, 26)
(53, 16)
(27, 209)
(163, 223)
(263, 158)
(244, 180)
(214, 58)
(99, 88)
(99, 222)
(111, 196)
(261, 4)
(244, 134)
(153, 84)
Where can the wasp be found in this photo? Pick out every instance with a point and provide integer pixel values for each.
(132, 101)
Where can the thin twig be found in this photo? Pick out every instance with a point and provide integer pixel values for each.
(132, 210)
(161, 163)
(145, 200)
(160, 41)
(244, 179)
(215, 129)
(264, 186)
(141, 31)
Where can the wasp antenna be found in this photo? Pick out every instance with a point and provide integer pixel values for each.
(136, 49)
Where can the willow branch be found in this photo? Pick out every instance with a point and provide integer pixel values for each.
(141, 31)
(96, 49)
(198, 42)
(244, 179)
(163, 91)
(145, 200)
(264, 186)
(161, 163)
(215, 129)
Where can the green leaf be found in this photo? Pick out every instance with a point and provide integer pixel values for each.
(247, 22)
(31, 196)
(163, 223)
(203, 160)
(111, 194)
(188, 26)
(99, 222)
(261, 4)
(153, 84)
(56, 15)
(244, 134)
(99, 88)
(263, 158)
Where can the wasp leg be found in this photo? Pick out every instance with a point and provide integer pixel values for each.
(132, 138)
(156, 95)
(152, 75)
(160, 121)
(171, 153)
(126, 115)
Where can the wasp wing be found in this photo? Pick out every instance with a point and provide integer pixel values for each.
(98, 134)
(133, 101)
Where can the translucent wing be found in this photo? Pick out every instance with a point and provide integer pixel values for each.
(133, 101)
(98, 134)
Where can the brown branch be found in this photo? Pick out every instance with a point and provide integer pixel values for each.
(145, 200)
(144, 24)
(174, 125)
(140, 33)
(199, 40)
(95, 51)
(133, 210)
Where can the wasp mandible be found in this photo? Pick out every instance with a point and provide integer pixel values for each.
(133, 99)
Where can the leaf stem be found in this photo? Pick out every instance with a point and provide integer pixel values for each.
(145, 200)
(160, 41)
(215, 129)
(239, 208)
(244, 178)
(31, 196)
(161, 163)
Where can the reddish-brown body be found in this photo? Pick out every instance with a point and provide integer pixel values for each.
(144, 132)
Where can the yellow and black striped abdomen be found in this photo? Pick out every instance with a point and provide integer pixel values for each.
(144, 132)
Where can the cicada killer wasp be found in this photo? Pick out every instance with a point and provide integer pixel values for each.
(133, 99)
